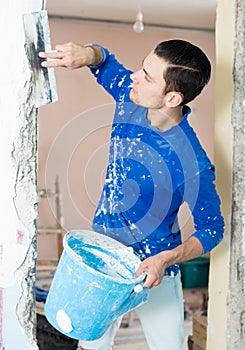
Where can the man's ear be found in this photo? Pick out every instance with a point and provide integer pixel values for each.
(174, 99)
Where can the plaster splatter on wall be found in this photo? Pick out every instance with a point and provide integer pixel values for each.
(37, 37)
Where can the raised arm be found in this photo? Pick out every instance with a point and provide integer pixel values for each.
(72, 56)
(111, 74)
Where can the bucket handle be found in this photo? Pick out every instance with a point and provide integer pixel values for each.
(140, 286)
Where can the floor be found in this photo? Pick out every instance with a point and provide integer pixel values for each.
(132, 338)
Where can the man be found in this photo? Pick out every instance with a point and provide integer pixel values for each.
(155, 164)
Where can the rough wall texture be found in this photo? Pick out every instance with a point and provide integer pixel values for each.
(18, 178)
(25, 161)
(236, 298)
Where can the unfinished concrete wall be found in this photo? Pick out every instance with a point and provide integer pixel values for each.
(236, 298)
(223, 150)
(18, 178)
(226, 318)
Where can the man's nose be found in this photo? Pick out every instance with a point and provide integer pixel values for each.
(133, 76)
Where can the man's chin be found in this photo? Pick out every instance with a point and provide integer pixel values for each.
(131, 95)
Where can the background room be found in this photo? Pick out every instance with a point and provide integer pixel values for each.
(55, 157)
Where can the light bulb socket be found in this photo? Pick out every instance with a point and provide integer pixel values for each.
(139, 16)
(138, 26)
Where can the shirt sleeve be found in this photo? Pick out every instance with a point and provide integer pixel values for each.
(204, 203)
(112, 75)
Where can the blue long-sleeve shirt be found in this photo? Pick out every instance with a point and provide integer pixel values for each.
(150, 174)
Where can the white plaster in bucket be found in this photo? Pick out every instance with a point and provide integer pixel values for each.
(118, 261)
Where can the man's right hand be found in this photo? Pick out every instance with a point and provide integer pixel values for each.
(72, 56)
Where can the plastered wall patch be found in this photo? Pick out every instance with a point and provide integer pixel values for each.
(37, 38)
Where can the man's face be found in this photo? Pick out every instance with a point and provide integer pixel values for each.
(148, 83)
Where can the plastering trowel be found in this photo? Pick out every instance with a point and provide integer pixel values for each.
(37, 38)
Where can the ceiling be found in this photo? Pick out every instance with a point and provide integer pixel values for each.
(197, 14)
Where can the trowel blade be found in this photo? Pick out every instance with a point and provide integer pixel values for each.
(37, 38)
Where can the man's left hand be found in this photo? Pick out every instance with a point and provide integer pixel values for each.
(154, 267)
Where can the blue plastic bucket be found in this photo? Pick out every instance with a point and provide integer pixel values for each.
(93, 285)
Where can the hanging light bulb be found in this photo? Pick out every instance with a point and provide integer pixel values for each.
(138, 26)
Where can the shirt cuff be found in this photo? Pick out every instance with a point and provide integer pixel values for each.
(104, 52)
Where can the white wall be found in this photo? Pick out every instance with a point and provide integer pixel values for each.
(18, 179)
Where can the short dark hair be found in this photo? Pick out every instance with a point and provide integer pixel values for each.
(189, 68)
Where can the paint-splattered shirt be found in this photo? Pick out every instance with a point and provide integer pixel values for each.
(150, 174)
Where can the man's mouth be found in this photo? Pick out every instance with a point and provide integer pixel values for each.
(133, 89)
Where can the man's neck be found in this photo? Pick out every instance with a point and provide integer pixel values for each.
(164, 119)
